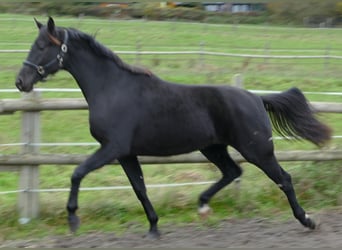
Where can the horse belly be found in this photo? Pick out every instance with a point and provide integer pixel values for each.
(172, 138)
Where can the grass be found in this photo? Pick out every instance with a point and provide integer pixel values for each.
(119, 210)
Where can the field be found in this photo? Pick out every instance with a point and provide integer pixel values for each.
(118, 210)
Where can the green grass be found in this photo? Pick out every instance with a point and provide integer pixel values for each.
(317, 184)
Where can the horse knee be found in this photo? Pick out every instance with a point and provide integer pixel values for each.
(287, 177)
(76, 177)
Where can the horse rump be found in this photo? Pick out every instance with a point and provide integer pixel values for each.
(292, 116)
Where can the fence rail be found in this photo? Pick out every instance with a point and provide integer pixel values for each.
(27, 161)
(13, 105)
(195, 157)
(205, 52)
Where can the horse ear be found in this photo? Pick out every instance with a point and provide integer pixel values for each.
(39, 25)
(51, 25)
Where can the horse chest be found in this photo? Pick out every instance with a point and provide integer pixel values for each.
(100, 125)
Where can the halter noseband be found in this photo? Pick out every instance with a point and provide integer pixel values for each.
(59, 59)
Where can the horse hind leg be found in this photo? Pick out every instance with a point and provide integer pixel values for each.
(218, 155)
(270, 166)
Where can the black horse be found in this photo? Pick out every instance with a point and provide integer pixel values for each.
(132, 112)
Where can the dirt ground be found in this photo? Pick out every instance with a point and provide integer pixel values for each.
(242, 233)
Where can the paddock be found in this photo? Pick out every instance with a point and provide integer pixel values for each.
(29, 158)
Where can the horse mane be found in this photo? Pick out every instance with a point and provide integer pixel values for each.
(101, 50)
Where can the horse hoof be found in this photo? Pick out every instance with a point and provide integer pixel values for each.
(74, 223)
(310, 223)
(204, 211)
(152, 235)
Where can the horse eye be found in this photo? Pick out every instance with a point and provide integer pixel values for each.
(40, 45)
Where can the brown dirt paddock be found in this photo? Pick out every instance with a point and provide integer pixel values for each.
(242, 233)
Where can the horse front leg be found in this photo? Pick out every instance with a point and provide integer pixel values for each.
(102, 156)
(134, 173)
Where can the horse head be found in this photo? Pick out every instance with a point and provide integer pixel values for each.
(45, 57)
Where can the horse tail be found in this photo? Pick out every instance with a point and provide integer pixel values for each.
(292, 116)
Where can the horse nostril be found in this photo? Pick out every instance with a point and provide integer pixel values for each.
(19, 83)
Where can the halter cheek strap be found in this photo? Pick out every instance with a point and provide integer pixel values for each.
(59, 58)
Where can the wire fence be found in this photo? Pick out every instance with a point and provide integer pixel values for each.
(53, 190)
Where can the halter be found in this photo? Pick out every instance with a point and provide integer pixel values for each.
(59, 59)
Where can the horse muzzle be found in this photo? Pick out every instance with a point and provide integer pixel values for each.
(19, 83)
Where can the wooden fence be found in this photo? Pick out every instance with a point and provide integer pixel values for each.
(27, 162)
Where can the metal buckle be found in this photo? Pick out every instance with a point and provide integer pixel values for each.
(60, 60)
(40, 70)
(64, 48)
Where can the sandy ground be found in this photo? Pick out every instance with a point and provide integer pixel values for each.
(243, 233)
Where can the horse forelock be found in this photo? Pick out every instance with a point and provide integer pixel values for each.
(102, 50)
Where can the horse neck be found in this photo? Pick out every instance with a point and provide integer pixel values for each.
(92, 73)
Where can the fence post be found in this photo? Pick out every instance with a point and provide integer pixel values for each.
(138, 49)
(29, 175)
(201, 54)
(237, 81)
(266, 51)
(327, 53)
